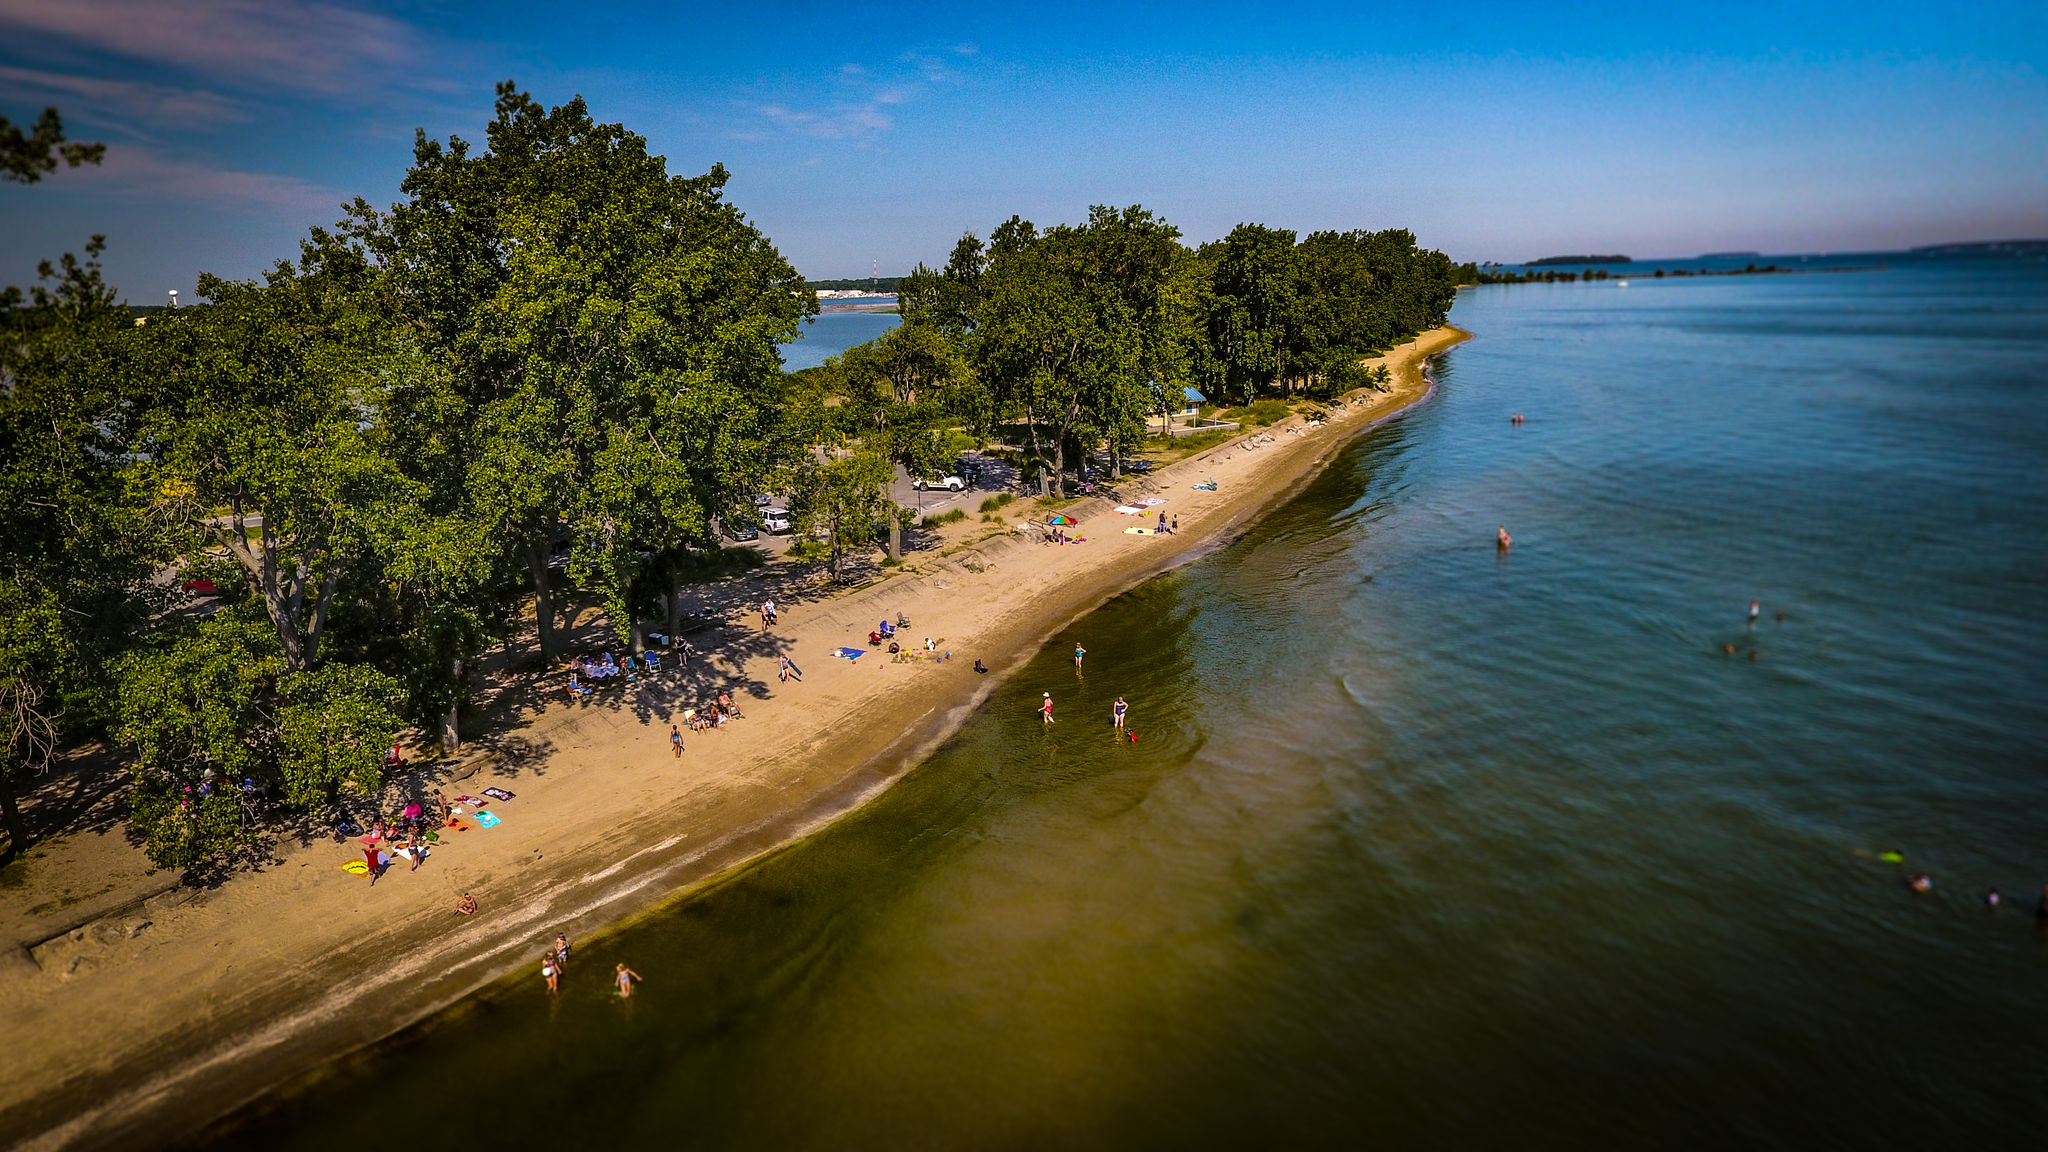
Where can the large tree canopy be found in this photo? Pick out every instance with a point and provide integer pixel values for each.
(610, 333)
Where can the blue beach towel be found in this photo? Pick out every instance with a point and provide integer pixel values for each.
(488, 819)
(849, 653)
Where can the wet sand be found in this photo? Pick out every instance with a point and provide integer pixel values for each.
(144, 1025)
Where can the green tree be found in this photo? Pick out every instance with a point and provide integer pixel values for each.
(26, 157)
(211, 706)
(611, 333)
(839, 502)
(76, 548)
(263, 430)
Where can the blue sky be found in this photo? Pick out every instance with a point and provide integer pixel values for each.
(861, 133)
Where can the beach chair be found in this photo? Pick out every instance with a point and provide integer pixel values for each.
(576, 688)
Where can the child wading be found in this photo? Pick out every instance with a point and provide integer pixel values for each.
(625, 977)
(1045, 709)
(1116, 712)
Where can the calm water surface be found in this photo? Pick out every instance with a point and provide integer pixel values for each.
(1421, 847)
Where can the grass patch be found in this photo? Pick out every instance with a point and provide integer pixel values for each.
(995, 503)
(954, 516)
(892, 562)
(1056, 501)
(1260, 414)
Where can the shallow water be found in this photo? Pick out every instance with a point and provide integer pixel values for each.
(1421, 846)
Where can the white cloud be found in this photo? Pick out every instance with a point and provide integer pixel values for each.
(142, 173)
(302, 45)
(120, 104)
(864, 110)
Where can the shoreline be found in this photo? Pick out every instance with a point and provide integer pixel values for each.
(167, 1032)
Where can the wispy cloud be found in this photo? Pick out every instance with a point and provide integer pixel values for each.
(120, 104)
(143, 173)
(300, 45)
(861, 99)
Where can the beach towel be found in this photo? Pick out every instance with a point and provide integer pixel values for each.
(1129, 510)
(488, 819)
(356, 868)
(497, 794)
(1141, 532)
(1152, 501)
(850, 653)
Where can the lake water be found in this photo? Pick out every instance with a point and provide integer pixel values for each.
(830, 333)
(1421, 846)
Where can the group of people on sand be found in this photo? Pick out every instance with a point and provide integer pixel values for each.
(555, 961)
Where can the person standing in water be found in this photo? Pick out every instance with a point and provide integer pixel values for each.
(1502, 540)
(549, 972)
(1045, 709)
(1078, 653)
(1116, 712)
(625, 976)
(1754, 608)
(561, 951)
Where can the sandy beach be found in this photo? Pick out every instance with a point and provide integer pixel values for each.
(134, 1011)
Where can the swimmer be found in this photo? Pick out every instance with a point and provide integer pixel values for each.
(1045, 709)
(1992, 899)
(625, 977)
(1752, 655)
(1752, 611)
(1502, 540)
(1727, 649)
(1919, 882)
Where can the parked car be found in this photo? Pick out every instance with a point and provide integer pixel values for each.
(739, 531)
(953, 483)
(778, 521)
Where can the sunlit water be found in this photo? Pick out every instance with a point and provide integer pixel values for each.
(1420, 846)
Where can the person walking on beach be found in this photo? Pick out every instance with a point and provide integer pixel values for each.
(675, 739)
(789, 669)
(1116, 712)
(1078, 653)
(550, 973)
(1045, 709)
(625, 976)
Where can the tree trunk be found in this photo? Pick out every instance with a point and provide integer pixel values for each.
(895, 535)
(543, 601)
(451, 737)
(17, 828)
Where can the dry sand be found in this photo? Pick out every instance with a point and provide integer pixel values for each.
(134, 1012)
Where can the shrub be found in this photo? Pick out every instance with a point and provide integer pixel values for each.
(996, 502)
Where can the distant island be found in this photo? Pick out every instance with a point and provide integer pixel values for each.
(1729, 255)
(1548, 260)
(1989, 247)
